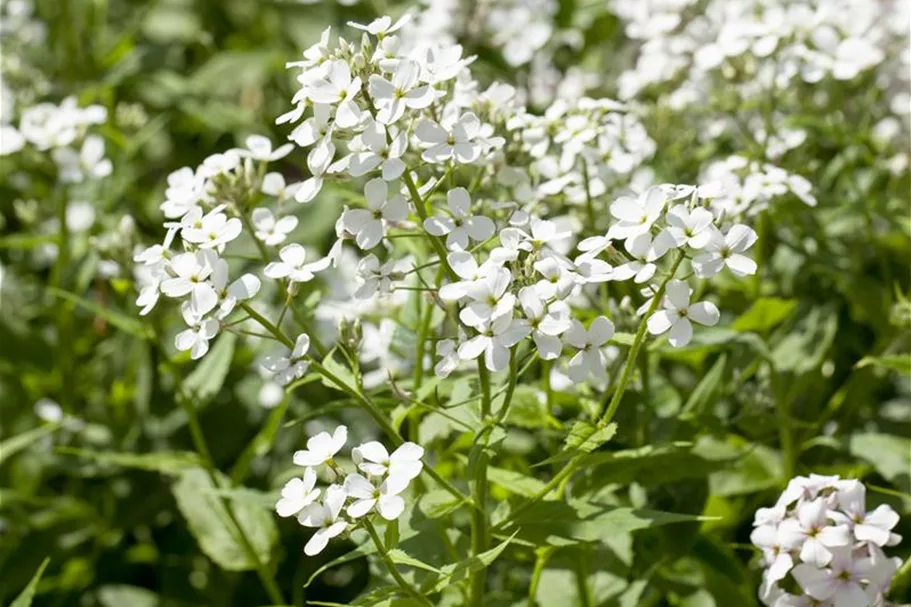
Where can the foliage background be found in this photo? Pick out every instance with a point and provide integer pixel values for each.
(817, 345)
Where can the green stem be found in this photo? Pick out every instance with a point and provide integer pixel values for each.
(582, 586)
(543, 555)
(421, 208)
(479, 528)
(64, 316)
(510, 386)
(637, 343)
(390, 566)
(572, 464)
(361, 399)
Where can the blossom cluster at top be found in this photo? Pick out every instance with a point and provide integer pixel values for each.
(336, 509)
(820, 534)
(512, 208)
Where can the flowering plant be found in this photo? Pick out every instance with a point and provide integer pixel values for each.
(574, 321)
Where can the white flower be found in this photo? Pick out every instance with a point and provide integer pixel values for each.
(318, 161)
(645, 251)
(690, 228)
(260, 148)
(325, 517)
(317, 127)
(590, 358)
(385, 498)
(244, 288)
(88, 163)
(812, 534)
(297, 494)
(875, 526)
(290, 365)
(274, 185)
(196, 338)
(546, 322)
(189, 273)
(218, 164)
(843, 581)
(373, 459)
(339, 88)
(321, 448)
(466, 267)
(213, 231)
(727, 251)
(557, 279)
(449, 358)
(292, 265)
(271, 231)
(462, 227)
(678, 312)
(405, 91)
(381, 151)
(636, 215)
(382, 26)
(11, 140)
(490, 298)
(494, 340)
(458, 142)
(375, 277)
(185, 189)
(369, 225)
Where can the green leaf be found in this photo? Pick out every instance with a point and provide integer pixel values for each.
(124, 595)
(895, 362)
(705, 394)
(566, 523)
(514, 482)
(400, 557)
(649, 466)
(585, 436)
(165, 462)
(124, 322)
(25, 597)
(342, 373)
(765, 313)
(210, 523)
(456, 572)
(209, 375)
(890, 456)
(17, 443)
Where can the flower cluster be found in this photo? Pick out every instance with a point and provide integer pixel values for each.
(205, 207)
(376, 487)
(821, 534)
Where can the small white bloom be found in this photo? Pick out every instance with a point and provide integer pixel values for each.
(367, 496)
(271, 231)
(88, 163)
(636, 215)
(260, 148)
(494, 339)
(293, 265)
(373, 459)
(290, 365)
(727, 251)
(458, 141)
(274, 185)
(369, 225)
(462, 227)
(297, 494)
(678, 312)
(325, 518)
(403, 92)
(590, 359)
(321, 448)
(196, 338)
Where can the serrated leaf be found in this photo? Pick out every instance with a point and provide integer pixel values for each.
(400, 557)
(514, 482)
(209, 521)
(456, 572)
(586, 437)
(765, 313)
(209, 375)
(165, 462)
(28, 593)
(566, 523)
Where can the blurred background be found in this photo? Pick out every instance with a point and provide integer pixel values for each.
(84, 380)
